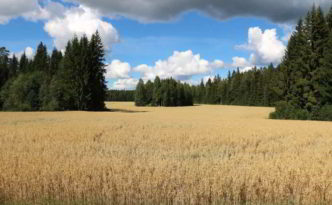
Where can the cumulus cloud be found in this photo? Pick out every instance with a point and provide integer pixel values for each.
(240, 62)
(48, 11)
(125, 84)
(161, 10)
(181, 66)
(29, 52)
(31, 10)
(80, 21)
(118, 69)
(217, 64)
(265, 45)
(14, 8)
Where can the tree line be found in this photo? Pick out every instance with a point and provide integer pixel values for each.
(166, 92)
(252, 88)
(120, 95)
(70, 81)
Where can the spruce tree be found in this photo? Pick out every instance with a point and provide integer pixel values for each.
(329, 19)
(324, 76)
(13, 67)
(140, 94)
(96, 74)
(4, 72)
(24, 63)
(40, 62)
(156, 98)
(149, 92)
(55, 61)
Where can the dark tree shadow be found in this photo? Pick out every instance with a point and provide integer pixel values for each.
(124, 111)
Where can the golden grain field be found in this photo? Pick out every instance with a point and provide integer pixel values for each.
(191, 155)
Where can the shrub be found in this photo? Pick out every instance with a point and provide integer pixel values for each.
(324, 113)
(285, 110)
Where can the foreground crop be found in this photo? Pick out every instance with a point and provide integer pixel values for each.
(192, 155)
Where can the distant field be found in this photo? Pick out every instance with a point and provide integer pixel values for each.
(185, 155)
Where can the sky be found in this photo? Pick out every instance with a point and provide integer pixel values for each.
(188, 40)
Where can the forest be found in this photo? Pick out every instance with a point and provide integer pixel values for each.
(300, 87)
(167, 92)
(120, 95)
(73, 81)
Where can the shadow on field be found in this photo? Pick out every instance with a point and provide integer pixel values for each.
(125, 111)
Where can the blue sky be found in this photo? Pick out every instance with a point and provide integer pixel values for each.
(156, 38)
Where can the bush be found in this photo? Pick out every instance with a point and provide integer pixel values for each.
(324, 113)
(23, 93)
(286, 111)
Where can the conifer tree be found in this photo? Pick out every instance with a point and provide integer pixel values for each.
(156, 98)
(40, 62)
(4, 73)
(24, 63)
(323, 78)
(96, 72)
(140, 95)
(329, 19)
(149, 92)
(55, 61)
(13, 67)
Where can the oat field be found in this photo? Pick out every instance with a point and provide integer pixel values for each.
(190, 155)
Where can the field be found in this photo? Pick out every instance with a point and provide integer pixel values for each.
(191, 155)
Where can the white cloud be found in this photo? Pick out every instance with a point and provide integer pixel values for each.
(15, 8)
(217, 64)
(62, 23)
(118, 69)
(29, 52)
(125, 84)
(79, 21)
(49, 11)
(31, 10)
(240, 62)
(181, 66)
(266, 46)
(246, 69)
(243, 64)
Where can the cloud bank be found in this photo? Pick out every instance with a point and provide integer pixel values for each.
(181, 66)
(162, 10)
